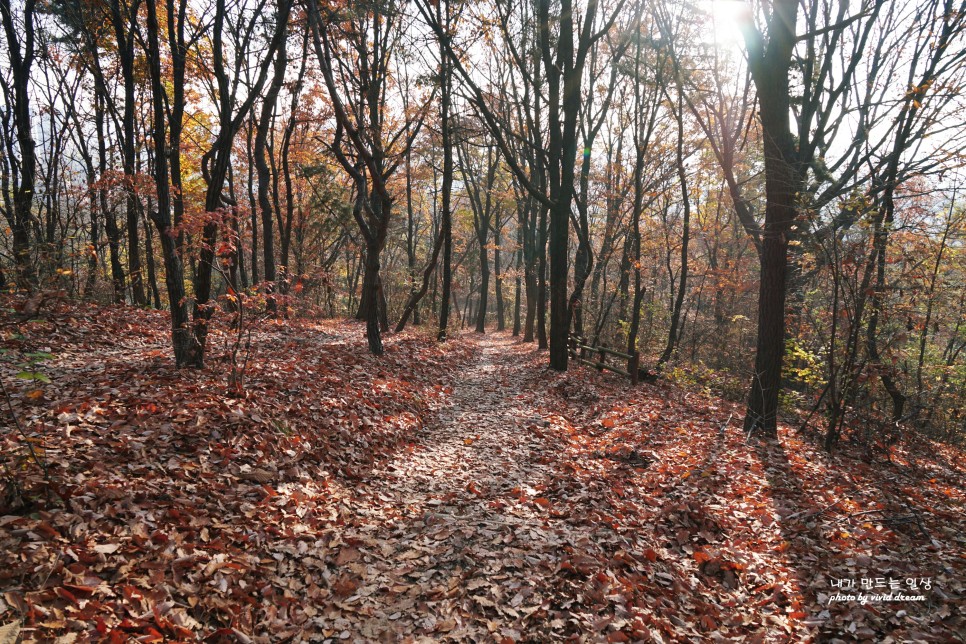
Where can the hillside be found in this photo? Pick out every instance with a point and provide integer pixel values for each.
(442, 492)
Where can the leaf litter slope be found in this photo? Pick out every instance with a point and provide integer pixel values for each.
(541, 507)
(175, 504)
(446, 493)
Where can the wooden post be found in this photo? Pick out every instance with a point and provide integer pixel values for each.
(583, 348)
(633, 367)
(601, 358)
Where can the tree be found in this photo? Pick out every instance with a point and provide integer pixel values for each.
(563, 43)
(770, 64)
(231, 116)
(481, 198)
(808, 97)
(287, 217)
(124, 22)
(355, 50)
(265, 120)
(591, 123)
(19, 176)
(679, 290)
(789, 156)
(646, 109)
(187, 351)
(444, 237)
(446, 190)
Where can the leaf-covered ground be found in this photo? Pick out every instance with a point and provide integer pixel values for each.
(460, 492)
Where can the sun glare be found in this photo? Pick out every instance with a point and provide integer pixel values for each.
(723, 26)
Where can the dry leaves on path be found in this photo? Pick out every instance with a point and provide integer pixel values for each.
(455, 492)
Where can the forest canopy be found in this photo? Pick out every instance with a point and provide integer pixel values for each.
(761, 197)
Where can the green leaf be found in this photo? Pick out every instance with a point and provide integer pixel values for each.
(33, 375)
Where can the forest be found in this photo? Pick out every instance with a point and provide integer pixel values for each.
(509, 320)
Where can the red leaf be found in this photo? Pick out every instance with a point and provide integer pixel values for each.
(80, 590)
(63, 593)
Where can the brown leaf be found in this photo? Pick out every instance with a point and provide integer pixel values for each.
(10, 633)
(348, 554)
(345, 585)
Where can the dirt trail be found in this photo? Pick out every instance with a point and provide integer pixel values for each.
(453, 540)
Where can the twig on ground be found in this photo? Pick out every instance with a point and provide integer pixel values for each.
(813, 514)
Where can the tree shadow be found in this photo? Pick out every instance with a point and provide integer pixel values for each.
(841, 553)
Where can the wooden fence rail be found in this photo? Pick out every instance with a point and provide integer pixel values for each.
(579, 350)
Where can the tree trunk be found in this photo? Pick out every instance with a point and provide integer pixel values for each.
(149, 255)
(110, 219)
(215, 163)
(446, 230)
(770, 348)
(446, 225)
(285, 228)
(370, 298)
(770, 67)
(185, 347)
(498, 269)
(416, 296)
(411, 253)
(673, 331)
(265, 121)
(178, 51)
(886, 375)
(518, 282)
(124, 36)
(541, 300)
(95, 235)
(484, 290)
(252, 199)
(23, 192)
